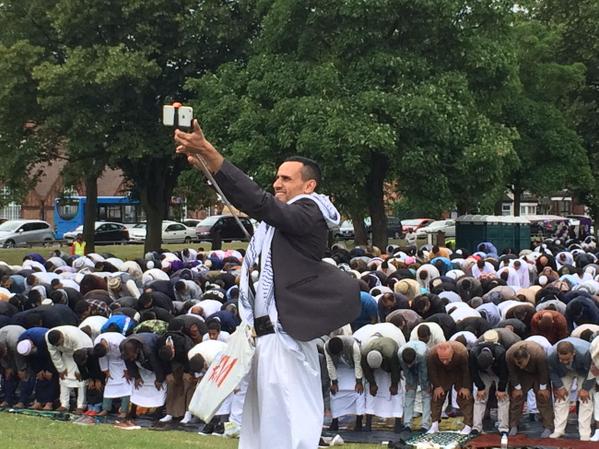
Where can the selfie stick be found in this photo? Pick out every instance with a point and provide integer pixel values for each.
(201, 166)
(204, 169)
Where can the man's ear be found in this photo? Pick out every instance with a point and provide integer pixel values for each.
(310, 186)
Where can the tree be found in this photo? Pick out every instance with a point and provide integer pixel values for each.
(576, 24)
(104, 71)
(551, 156)
(374, 91)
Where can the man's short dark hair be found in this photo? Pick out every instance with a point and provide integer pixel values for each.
(335, 346)
(81, 307)
(196, 363)
(310, 170)
(587, 335)
(99, 350)
(54, 337)
(214, 325)
(166, 353)
(565, 347)
(408, 355)
(423, 331)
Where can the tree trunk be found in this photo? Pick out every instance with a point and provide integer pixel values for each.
(360, 234)
(155, 205)
(595, 216)
(517, 191)
(497, 209)
(154, 182)
(154, 216)
(376, 203)
(462, 208)
(91, 210)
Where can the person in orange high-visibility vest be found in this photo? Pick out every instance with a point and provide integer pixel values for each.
(78, 246)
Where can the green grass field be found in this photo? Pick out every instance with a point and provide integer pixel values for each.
(14, 256)
(26, 432)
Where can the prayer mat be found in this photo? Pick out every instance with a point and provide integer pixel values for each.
(438, 440)
(60, 416)
(522, 441)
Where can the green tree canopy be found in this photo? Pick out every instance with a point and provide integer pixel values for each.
(375, 91)
(97, 74)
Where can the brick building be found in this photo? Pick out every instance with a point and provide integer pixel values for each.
(39, 202)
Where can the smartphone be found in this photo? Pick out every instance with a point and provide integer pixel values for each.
(185, 116)
(168, 115)
(181, 116)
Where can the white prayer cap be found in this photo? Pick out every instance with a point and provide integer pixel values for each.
(116, 262)
(491, 336)
(24, 347)
(543, 280)
(150, 264)
(96, 257)
(330, 261)
(47, 302)
(455, 274)
(374, 359)
(82, 262)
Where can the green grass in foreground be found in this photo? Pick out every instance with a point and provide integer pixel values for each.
(26, 432)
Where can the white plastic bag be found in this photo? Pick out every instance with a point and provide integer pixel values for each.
(224, 374)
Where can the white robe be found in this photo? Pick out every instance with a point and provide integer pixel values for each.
(346, 401)
(62, 356)
(281, 397)
(117, 385)
(147, 395)
(477, 272)
(437, 335)
(383, 404)
(95, 323)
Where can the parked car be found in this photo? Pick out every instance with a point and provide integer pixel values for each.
(394, 228)
(346, 230)
(191, 222)
(445, 226)
(415, 223)
(223, 226)
(25, 232)
(104, 232)
(172, 232)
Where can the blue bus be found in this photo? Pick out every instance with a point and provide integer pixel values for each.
(69, 212)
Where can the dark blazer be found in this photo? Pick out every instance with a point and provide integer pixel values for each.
(312, 297)
(182, 344)
(148, 357)
(51, 316)
(499, 367)
(537, 367)
(581, 365)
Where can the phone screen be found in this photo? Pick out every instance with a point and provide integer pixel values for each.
(168, 115)
(185, 116)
